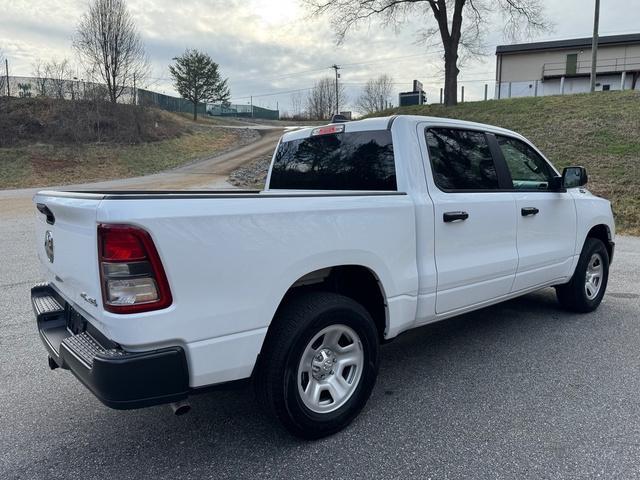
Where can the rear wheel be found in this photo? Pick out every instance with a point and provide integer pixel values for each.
(319, 364)
(587, 286)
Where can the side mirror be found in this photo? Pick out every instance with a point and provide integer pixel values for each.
(573, 177)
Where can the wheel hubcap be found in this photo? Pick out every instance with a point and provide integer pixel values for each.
(322, 364)
(330, 368)
(593, 277)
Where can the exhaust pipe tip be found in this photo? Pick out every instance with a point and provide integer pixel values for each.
(180, 408)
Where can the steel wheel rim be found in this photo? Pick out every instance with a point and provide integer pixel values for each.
(593, 278)
(330, 368)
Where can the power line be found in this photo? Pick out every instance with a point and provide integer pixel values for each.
(294, 74)
(373, 62)
(315, 70)
(383, 60)
(272, 93)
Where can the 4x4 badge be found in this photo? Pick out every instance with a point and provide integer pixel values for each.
(89, 299)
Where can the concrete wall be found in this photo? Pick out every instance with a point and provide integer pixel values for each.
(522, 67)
(571, 85)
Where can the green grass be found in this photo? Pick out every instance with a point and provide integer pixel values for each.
(39, 165)
(600, 131)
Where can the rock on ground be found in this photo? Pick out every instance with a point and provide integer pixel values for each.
(253, 175)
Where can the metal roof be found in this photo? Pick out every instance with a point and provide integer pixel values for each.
(632, 38)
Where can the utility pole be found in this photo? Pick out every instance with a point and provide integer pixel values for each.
(336, 68)
(6, 66)
(594, 46)
(251, 106)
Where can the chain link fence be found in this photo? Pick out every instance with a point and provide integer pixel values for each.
(167, 102)
(78, 89)
(242, 111)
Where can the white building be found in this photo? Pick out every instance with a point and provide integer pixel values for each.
(564, 66)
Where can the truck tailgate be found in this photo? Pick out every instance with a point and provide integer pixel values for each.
(66, 233)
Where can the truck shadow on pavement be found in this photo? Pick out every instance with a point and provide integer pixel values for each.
(438, 381)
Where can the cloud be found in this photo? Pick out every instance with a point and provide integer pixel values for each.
(266, 46)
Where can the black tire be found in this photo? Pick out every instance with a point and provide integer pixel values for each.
(572, 295)
(276, 373)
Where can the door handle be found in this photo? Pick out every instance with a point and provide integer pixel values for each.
(526, 211)
(454, 216)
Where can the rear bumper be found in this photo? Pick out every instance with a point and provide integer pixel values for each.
(120, 379)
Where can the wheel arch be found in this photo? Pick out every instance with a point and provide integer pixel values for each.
(602, 232)
(358, 282)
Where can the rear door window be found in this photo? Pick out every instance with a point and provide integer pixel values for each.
(461, 160)
(341, 161)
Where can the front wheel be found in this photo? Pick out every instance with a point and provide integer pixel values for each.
(587, 286)
(319, 364)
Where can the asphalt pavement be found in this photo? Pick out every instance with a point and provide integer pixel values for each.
(515, 391)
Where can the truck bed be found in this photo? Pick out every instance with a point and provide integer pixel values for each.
(230, 257)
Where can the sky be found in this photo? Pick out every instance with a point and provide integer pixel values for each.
(271, 49)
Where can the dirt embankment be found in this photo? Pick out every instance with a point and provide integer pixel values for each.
(25, 121)
(46, 142)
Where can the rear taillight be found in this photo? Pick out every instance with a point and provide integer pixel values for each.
(133, 279)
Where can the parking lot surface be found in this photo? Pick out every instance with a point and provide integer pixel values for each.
(518, 390)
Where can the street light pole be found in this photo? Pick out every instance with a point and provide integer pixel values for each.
(6, 66)
(336, 68)
(594, 46)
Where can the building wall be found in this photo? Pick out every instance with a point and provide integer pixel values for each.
(522, 67)
(571, 85)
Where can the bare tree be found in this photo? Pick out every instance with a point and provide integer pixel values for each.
(38, 70)
(58, 75)
(376, 95)
(297, 102)
(321, 99)
(108, 41)
(460, 25)
(3, 73)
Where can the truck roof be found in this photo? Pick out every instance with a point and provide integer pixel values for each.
(383, 123)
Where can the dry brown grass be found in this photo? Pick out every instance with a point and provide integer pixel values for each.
(45, 164)
(26, 121)
(56, 142)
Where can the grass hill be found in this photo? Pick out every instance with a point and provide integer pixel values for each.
(600, 131)
(55, 121)
(47, 141)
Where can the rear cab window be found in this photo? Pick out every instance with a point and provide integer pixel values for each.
(337, 161)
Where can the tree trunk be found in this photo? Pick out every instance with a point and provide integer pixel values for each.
(195, 111)
(450, 76)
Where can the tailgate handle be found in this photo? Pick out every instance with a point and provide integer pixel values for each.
(454, 216)
(42, 208)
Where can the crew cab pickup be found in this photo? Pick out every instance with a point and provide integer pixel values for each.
(365, 229)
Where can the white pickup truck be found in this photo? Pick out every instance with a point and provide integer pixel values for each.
(366, 229)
